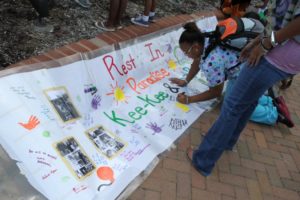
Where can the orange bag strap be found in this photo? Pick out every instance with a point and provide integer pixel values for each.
(230, 27)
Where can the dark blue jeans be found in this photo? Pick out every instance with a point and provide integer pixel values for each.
(236, 110)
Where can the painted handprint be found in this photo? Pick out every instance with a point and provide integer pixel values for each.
(31, 124)
(96, 102)
(153, 126)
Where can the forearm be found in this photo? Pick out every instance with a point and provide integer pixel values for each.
(207, 95)
(289, 31)
(193, 71)
(292, 29)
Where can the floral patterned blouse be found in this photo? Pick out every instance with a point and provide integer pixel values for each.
(221, 64)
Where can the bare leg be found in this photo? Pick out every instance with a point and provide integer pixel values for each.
(148, 4)
(113, 12)
(153, 6)
(122, 8)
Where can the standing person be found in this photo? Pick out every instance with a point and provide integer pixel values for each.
(235, 8)
(113, 23)
(269, 59)
(218, 65)
(42, 8)
(148, 15)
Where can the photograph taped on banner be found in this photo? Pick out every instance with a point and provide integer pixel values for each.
(74, 157)
(106, 142)
(60, 100)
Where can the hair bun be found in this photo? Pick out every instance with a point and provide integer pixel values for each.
(191, 27)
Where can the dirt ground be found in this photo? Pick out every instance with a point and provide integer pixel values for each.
(72, 23)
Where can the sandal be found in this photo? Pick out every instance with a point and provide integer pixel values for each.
(119, 26)
(189, 155)
(101, 25)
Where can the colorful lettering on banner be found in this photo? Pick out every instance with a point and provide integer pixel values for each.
(172, 89)
(156, 54)
(31, 124)
(79, 188)
(121, 70)
(139, 111)
(130, 155)
(20, 90)
(49, 174)
(150, 80)
(44, 159)
(177, 124)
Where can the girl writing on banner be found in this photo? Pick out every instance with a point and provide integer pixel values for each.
(219, 65)
(268, 59)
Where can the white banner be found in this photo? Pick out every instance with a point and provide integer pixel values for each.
(87, 129)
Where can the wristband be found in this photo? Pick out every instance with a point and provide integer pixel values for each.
(186, 100)
(186, 82)
(273, 39)
(263, 46)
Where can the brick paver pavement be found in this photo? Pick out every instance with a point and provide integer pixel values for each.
(265, 166)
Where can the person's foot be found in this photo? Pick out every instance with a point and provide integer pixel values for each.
(84, 3)
(140, 21)
(119, 26)
(101, 25)
(189, 154)
(42, 25)
(152, 19)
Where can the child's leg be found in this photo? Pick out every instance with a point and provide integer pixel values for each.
(153, 6)
(148, 5)
(152, 11)
(113, 12)
(121, 10)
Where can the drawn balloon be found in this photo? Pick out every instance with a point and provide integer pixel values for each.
(107, 174)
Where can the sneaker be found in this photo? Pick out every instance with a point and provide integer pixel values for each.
(139, 21)
(101, 25)
(152, 19)
(41, 25)
(84, 3)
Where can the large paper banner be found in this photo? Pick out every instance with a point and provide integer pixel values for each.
(87, 129)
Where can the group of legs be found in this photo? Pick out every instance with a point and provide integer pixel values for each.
(117, 9)
(113, 22)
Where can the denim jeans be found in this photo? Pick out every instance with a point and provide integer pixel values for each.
(237, 108)
(265, 112)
